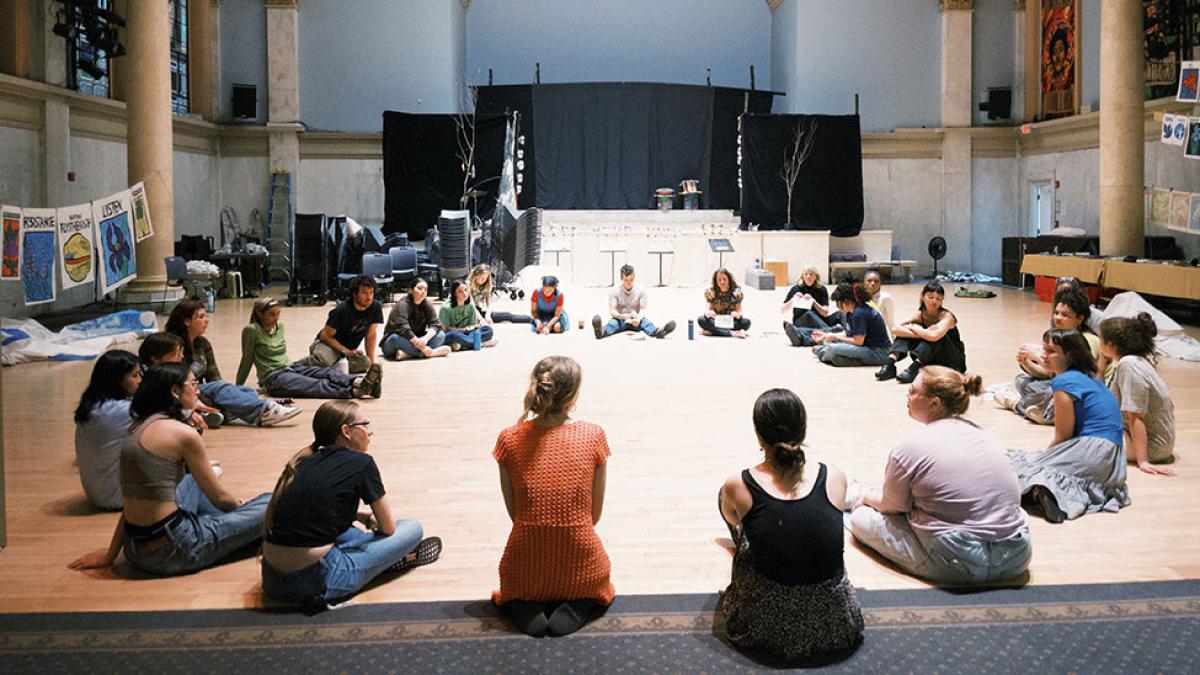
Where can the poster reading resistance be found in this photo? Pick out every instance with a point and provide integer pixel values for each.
(1059, 61)
(38, 253)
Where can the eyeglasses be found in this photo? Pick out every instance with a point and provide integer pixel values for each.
(192, 383)
(364, 424)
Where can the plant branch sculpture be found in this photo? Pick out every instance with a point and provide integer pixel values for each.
(794, 156)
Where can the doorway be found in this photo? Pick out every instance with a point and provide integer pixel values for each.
(1041, 207)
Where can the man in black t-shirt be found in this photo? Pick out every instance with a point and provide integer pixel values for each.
(351, 330)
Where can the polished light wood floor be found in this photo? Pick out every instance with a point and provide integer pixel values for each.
(677, 414)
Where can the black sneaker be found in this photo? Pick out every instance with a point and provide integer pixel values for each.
(664, 331)
(372, 382)
(792, 335)
(909, 374)
(597, 326)
(887, 371)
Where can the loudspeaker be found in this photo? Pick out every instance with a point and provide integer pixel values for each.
(245, 101)
(998, 105)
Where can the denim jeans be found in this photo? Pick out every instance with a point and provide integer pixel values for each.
(356, 558)
(235, 401)
(202, 537)
(842, 354)
(616, 326)
(396, 343)
(310, 382)
(323, 356)
(466, 339)
(563, 321)
(953, 557)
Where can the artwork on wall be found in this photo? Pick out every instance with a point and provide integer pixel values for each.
(1179, 131)
(1189, 82)
(38, 253)
(1168, 128)
(114, 230)
(1060, 58)
(1180, 210)
(1192, 147)
(76, 245)
(1160, 207)
(11, 217)
(1161, 48)
(141, 212)
(1194, 208)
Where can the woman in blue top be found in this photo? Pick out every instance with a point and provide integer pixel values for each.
(865, 341)
(1083, 470)
(547, 308)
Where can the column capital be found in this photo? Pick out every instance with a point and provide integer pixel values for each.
(282, 4)
(954, 5)
(1019, 5)
(774, 4)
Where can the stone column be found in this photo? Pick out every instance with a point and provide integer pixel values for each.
(201, 47)
(1018, 90)
(150, 146)
(1031, 57)
(1122, 133)
(957, 110)
(56, 152)
(283, 88)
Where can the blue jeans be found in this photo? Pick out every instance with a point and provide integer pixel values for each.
(235, 401)
(356, 558)
(563, 321)
(310, 382)
(842, 354)
(616, 326)
(466, 339)
(395, 343)
(954, 557)
(202, 537)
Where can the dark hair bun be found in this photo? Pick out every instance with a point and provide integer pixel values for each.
(1146, 323)
(972, 384)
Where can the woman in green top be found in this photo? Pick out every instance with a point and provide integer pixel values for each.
(264, 347)
(464, 327)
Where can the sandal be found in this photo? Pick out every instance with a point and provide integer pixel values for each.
(426, 552)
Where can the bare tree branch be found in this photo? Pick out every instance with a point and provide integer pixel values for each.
(794, 156)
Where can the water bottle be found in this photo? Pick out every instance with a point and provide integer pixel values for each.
(691, 329)
(757, 264)
(212, 301)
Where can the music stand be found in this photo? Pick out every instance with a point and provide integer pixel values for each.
(720, 247)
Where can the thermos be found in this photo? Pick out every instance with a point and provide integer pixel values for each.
(691, 329)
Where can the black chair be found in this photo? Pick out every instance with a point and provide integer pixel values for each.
(194, 247)
(310, 260)
(404, 264)
(454, 237)
(378, 266)
(177, 275)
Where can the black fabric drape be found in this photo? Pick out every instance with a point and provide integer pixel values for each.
(502, 99)
(829, 190)
(422, 173)
(722, 192)
(610, 145)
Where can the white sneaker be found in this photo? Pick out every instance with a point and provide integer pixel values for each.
(1006, 397)
(276, 413)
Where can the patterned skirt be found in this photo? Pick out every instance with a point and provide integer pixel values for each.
(789, 622)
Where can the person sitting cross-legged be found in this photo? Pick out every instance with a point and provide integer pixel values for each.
(626, 307)
(412, 330)
(350, 330)
(864, 342)
(465, 326)
(546, 306)
(724, 300)
(929, 338)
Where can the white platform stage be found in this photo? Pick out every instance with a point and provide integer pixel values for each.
(590, 246)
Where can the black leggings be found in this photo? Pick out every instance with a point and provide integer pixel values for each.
(709, 325)
(944, 352)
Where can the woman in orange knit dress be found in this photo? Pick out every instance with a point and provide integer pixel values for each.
(554, 575)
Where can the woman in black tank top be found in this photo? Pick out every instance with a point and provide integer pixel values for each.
(930, 337)
(789, 595)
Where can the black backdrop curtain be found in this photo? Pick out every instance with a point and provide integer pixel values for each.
(829, 190)
(610, 145)
(422, 173)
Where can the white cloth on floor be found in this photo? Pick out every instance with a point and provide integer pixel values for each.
(1171, 340)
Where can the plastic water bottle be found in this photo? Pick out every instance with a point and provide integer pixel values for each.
(212, 301)
(691, 329)
(757, 264)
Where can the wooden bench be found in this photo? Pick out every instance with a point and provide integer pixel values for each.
(858, 269)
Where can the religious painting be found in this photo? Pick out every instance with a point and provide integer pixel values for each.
(76, 245)
(1180, 210)
(1192, 147)
(11, 217)
(114, 231)
(38, 228)
(1161, 49)
(1189, 82)
(1060, 58)
(1194, 219)
(1160, 207)
(141, 212)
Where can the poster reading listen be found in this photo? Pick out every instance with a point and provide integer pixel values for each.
(76, 245)
(38, 228)
(114, 229)
(11, 218)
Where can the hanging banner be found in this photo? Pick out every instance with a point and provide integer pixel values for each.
(77, 245)
(1160, 207)
(1168, 128)
(1060, 58)
(1189, 82)
(11, 217)
(1194, 220)
(1180, 210)
(1192, 147)
(141, 212)
(1179, 129)
(38, 253)
(1161, 44)
(114, 235)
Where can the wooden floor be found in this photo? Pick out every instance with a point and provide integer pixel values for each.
(677, 414)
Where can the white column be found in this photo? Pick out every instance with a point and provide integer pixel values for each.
(1122, 134)
(56, 152)
(957, 108)
(956, 62)
(283, 87)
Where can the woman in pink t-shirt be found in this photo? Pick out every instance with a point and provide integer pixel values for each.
(950, 506)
